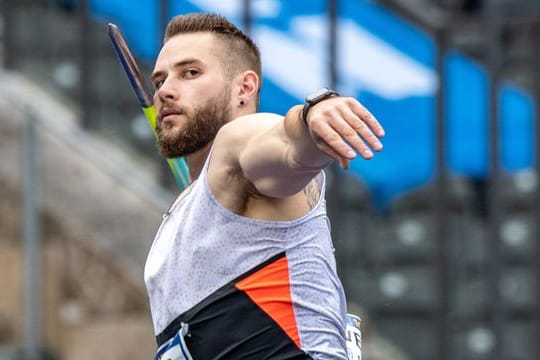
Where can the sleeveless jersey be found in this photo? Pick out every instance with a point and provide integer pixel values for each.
(247, 288)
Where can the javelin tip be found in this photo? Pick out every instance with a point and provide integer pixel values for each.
(112, 27)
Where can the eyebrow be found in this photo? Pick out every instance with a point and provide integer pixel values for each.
(179, 64)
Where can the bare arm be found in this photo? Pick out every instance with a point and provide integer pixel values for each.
(279, 156)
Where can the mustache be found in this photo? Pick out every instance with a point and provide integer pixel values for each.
(166, 109)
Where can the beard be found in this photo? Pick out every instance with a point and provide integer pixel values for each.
(198, 130)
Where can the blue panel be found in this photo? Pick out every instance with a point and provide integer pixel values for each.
(407, 160)
(274, 99)
(390, 28)
(187, 6)
(517, 129)
(467, 116)
(138, 21)
(408, 157)
(181, 7)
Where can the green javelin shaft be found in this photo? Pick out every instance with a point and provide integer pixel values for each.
(178, 165)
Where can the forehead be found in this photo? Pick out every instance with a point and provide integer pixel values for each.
(203, 46)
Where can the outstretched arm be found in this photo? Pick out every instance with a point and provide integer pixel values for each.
(279, 156)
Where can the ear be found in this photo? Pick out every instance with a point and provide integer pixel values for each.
(247, 88)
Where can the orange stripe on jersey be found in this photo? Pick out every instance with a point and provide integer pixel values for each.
(270, 289)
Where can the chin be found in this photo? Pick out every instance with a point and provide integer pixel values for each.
(172, 131)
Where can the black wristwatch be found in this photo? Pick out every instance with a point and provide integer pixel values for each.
(316, 98)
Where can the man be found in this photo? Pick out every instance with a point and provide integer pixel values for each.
(243, 265)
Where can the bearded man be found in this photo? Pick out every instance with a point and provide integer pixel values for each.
(243, 265)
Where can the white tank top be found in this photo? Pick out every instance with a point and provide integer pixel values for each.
(201, 246)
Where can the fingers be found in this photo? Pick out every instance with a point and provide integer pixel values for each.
(365, 117)
(352, 123)
(343, 127)
(346, 140)
(331, 142)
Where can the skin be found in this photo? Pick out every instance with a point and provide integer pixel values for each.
(262, 165)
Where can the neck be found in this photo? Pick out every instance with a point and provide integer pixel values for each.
(246, 110)
(195, 162)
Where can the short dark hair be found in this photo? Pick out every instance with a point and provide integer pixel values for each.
(240, 53)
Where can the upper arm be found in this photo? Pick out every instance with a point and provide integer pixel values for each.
(257, 147)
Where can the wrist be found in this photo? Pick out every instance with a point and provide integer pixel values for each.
(314, 99)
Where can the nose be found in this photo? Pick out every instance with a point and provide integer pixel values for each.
(167, 91)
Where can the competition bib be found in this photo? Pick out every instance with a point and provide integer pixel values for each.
(175, 348)
(354, 337)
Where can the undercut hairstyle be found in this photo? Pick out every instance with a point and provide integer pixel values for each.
(239, 52)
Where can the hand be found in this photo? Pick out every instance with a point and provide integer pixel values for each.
(341, 127)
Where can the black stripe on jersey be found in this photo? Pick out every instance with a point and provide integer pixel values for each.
(229, 325)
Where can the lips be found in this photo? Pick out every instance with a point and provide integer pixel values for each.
(167, 114)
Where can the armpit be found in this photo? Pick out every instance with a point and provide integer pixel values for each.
(312, 194)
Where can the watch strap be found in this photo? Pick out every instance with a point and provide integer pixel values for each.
(314, 99)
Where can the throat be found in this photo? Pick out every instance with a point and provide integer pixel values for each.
(196, 162)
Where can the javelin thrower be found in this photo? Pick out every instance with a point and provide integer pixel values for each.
(242, 266)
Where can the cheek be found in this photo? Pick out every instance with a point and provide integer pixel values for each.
(157, 101)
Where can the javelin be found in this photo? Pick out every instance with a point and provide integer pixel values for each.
(144, 98)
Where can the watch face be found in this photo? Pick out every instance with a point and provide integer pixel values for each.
(322, 93)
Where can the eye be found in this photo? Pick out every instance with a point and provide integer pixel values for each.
(158, 83)
(191, 73)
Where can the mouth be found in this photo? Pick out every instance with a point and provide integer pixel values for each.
(167, 116)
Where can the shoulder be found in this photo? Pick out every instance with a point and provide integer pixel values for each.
(234, 137)
(247, 127)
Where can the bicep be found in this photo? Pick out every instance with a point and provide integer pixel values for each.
(257, 147)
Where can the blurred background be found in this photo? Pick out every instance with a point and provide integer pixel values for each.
(437, 237)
